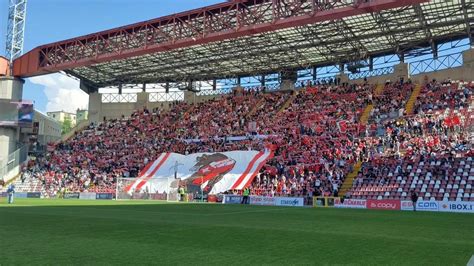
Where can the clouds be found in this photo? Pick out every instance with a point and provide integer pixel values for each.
(62, 92)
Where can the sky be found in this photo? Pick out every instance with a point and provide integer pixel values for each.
(54, 20)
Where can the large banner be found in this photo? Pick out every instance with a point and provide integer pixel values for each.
(213, 172)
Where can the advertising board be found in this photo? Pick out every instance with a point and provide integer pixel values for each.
(293, 202)
(383, 204)
(456, 206)
(261, 200)
(421, 205)
(232, 199)
(350, 203)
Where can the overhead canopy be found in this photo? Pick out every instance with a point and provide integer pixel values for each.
(251, 37)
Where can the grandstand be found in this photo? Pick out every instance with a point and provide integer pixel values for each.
(328, 105)
(356, 99)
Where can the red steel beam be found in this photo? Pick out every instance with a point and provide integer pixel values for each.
(85, 51)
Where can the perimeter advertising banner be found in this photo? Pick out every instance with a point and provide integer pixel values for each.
(456, 206)
(350, 203)
(421, 205)
(292, 202)
(213, 172)
(232, 199)
(261, 200)
(383, 204)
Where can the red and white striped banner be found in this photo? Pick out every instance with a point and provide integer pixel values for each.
(221, 171)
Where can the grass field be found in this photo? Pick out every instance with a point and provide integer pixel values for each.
(58, 232)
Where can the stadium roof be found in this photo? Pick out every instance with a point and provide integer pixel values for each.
(251, 37)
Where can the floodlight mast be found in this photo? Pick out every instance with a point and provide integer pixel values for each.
(15, 29)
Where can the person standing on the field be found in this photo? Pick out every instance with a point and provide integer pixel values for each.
(181, 193)
(11, 192)
(414, 199)
(245, 198)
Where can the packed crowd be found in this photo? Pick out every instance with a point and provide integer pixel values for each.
(315, 132)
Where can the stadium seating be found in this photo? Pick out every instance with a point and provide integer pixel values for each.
(315, 131)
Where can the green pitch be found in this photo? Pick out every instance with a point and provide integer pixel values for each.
(59, 232)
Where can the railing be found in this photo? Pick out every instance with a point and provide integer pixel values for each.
(211, 92)
(373, 73)
(440, 63)
(14, 160)
(154, 97)
(119, 98)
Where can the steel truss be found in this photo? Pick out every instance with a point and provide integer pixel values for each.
(249, 38)
(15, 28)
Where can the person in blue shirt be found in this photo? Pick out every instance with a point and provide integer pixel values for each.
(11, 192)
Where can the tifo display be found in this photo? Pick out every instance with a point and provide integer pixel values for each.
(358, 142)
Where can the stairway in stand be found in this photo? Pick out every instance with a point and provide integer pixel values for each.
(288, 102)
(346, 186)
(410, 106)
(256, 106)
(364, 119)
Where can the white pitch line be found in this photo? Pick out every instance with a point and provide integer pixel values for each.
(471, 261)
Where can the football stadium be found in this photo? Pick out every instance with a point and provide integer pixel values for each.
(287, 132)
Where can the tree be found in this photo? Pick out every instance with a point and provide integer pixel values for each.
(66, 126)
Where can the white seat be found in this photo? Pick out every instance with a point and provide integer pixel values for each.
(449, 186)
(436, 186)
(465, 174)
(399, 178)
(441, 190)
(404, 182)
(466, 195)
(387, 194)
(468, 186)
(409, 167)
(420, 182)
(456, 186)
(463, 182)
(461, 190)
(432, 199)
(428, 194)
(423, 189)
(390, 174)
(460, 170)
(458, 178)
(404, 194)
(446, 195)
(379, 197)
(421, 163)
(418, 170)
(432, 182)
(399, 189)
(462, 163)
